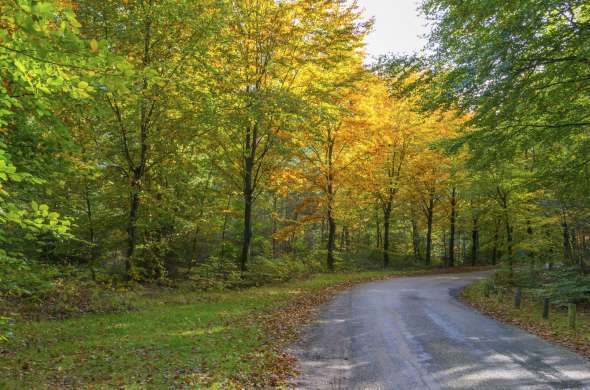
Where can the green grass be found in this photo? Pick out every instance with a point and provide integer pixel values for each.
(529, 316)
(174, 340)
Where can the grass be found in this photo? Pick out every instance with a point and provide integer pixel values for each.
(175, 339)
(529, 317)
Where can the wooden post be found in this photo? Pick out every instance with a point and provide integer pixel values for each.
(517, 298)
(486, 290)
(571, 315)
(545, 308)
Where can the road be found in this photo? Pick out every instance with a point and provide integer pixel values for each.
(412, 333)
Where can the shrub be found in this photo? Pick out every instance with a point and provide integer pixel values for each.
(568, 286)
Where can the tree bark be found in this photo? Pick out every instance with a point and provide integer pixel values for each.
(451, 262)
(132, 225)
(91, 233)
(223, 232)
(274, 226)
(415, 238)
(330, 201)
(248, 197)
(377, 230)
(429, 219)
(503, 197)
(567, 248)
(386, 225)
(474, 240)
(331, 239)
(496, 241)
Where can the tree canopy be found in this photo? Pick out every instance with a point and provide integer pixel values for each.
(241, 141)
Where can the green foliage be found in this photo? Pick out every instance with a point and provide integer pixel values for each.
(562, 286)
(568, 286)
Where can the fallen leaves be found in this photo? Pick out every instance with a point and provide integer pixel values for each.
(554, 330)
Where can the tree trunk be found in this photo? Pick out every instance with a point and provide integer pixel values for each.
(331, 239)
(250, 142)
(474, 240)
(137, 170)
(503, 196)
(451, 262)
(132, 226)
(330, 202)
(496, 240)
(415, 239)
(91, 234)
(386, 225)
(274, 226)
(223, 231)
(508, 240)
(429, 218)
(377, 230)
(247, 233)
(567, 249)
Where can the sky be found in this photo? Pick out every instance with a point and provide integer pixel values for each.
(398, 26)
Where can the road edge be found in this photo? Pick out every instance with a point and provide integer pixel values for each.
(577, 347)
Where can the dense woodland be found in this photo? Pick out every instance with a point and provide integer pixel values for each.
(231, 142)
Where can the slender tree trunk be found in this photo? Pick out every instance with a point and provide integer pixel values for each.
(416, 239)
(274, 226)
(474, 240)
(193, 256)
(429, 220)
(496, 241)
(223, 232)
(508, 240)
(331, 239)
(377, 230)
(132, 225)
(567, 248)
(445, 246)
(503, 197)
(330, 202)
(138, 171)
(91, 234)
(247, 233)
(250, 145)
(463, 242)
(386, 225)
(451, 262)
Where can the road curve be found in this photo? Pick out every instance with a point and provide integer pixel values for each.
(412, 333)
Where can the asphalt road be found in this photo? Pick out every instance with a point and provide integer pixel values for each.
(412, 333)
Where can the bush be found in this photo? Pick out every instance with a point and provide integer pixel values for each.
(19, 277)
(51, 292)
(517, 278)
(568, 286)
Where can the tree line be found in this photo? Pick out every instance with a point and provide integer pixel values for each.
(153, 140)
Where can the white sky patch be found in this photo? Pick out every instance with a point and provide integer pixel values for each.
(399, 28)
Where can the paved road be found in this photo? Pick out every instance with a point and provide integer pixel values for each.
(413, 334)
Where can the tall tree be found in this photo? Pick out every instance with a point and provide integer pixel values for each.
(159, 42)
(274, 45)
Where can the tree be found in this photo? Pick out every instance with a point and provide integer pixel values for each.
(159, 44)
(276, 45)
(41, 62)
(393, 140)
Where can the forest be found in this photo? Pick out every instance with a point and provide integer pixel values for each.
(224, 144)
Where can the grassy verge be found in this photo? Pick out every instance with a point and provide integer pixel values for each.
(529, 317)
(230, 339)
